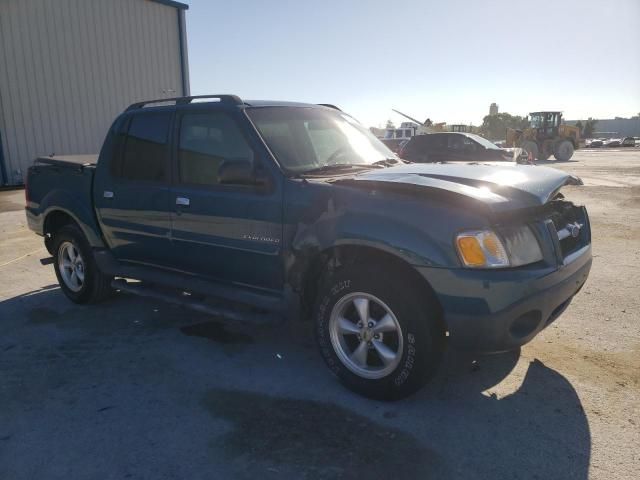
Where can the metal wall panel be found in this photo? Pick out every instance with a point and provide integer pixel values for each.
(68, 67)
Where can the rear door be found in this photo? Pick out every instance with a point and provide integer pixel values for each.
(438, 148)
(225, 232)
(418, 149)
(131, 193)
(462, 149)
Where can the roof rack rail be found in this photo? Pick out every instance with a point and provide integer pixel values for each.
(329, 105)
(230, 99)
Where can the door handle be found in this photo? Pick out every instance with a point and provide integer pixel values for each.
(182, 201)
(107, 194)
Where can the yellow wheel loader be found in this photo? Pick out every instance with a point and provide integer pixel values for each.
(545, 136)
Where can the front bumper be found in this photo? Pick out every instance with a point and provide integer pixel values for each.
(493, 310)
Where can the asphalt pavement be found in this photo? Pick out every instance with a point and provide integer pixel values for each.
(139, 389)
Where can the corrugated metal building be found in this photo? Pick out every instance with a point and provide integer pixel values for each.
(68, 67)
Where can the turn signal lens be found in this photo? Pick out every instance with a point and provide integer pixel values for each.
(482, 249)
(471, 251)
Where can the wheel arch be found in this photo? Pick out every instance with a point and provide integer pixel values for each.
(54, 220)
(75, 207)
(348, 254)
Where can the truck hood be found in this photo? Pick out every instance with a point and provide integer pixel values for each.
(501, 186)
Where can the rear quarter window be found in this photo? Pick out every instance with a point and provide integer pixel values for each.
(145, 149)
(118, 137)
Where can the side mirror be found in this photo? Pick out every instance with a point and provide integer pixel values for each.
(241, 172)
(236, 172)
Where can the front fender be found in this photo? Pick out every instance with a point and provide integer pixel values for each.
(319, 219)
(411, 244)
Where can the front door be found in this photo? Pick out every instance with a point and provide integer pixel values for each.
(438, 148)
(132, 194)
(226, 232)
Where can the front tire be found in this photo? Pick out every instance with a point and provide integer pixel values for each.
(563, 150)
(531, 148)
(381, 337)
(76, 270)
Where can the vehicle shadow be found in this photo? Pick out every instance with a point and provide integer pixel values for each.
(536, 430)
(291, 419)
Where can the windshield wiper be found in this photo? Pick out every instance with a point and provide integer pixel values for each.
(330, 168)
(387, 162)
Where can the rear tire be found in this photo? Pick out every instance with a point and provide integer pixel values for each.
(76, 269)
(396, 350)
(563, 150)
(531, 148)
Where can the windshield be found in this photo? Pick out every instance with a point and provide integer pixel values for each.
(536, 121)
(307, 138)
(484, 142)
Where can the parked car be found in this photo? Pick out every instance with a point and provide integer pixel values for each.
(612, 143)
(394, 144)
(297, 210)
(456, 147)
(594, 143)
(628, 142)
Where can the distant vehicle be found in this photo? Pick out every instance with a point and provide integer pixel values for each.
(546, 136)
(628, 142)
(460, 128)
(298, 210)
(612, 143)
(606, 135)
(594, 143)
(457, 147)
(394, 144)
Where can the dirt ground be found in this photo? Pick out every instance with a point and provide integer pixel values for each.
(138, 389)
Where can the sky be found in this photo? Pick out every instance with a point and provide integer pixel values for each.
(447, 60)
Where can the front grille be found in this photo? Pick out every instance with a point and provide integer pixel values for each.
(571, 227)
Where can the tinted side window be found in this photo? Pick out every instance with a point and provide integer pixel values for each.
(118, 139)
(438, 142)
(470, 146)
(419, 143)
(145, 149)
(206, 141)
(456, 142)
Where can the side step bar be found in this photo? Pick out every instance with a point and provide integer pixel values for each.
(179, 298)
(247, 296)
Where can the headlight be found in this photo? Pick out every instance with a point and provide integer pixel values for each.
(522, 245)
(484, 249)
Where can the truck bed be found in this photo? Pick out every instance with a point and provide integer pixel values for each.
(64, 182)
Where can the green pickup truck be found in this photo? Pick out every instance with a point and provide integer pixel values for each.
(297, 210)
